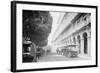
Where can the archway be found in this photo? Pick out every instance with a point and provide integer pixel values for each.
(74, 40)
(79, 43)
(85, 43)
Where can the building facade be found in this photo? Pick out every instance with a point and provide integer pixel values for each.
(78, 32)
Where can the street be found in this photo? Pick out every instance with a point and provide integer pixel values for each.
(55, 57)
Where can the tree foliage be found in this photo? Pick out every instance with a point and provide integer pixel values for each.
(37, 26)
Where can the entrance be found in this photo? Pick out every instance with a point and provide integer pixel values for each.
(79, 43)
(85, 43)
(74, 40)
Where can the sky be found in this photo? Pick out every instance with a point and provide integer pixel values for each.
(57, 26)
(56, 17)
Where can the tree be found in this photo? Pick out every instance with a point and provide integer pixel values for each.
(37, 26)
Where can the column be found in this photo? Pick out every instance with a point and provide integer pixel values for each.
(82, 46)
(89, 45)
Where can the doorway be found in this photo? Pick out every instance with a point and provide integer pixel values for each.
(79, 43)
(85, 43)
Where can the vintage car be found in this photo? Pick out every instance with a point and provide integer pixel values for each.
(27, 57)
(59, 50)
(70, 50)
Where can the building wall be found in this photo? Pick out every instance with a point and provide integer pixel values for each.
(79, 33)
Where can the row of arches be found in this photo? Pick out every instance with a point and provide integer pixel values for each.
(78, 39)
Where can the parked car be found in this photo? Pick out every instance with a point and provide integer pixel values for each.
(27, 57)
(59, 50)
(70, 50)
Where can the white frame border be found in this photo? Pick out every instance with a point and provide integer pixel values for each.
(21, 66)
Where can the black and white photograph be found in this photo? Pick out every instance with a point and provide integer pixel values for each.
(53, 36)
(56, 36)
